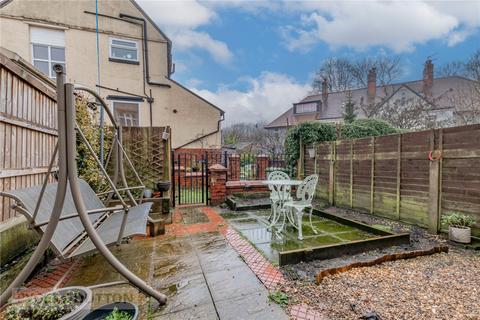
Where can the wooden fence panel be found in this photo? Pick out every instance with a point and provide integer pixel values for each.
(28, 133)
(392, 176)
(149, 153)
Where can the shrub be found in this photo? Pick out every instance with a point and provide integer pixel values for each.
(49, 307)
(308, 133)
(314, 132)
(381, 126)
(458, 220)
(88, 168)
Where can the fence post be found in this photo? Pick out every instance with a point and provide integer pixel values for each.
(301, 160)
(434, 190)
(331, 174)
(372, 181)
(399, 173)
(351, 173)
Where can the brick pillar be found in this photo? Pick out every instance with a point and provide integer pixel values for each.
(234, 167)
(262, 165)
(217, 184)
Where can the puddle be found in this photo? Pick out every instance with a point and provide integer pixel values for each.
(328, 232)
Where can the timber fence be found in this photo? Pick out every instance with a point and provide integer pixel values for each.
(414, 177)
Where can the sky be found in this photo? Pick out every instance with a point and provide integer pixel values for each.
(254, 59)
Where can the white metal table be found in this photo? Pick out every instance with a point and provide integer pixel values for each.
(282, 189)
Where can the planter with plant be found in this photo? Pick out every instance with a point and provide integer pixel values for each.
(114, 311)
(459, 227)
(69, 303)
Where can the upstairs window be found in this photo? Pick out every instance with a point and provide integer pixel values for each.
(306, 107)
(125, 50)
(126, 113)
(48, 49)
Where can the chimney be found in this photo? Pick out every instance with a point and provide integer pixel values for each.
(372, 85)
(324, 93)
(428, 78)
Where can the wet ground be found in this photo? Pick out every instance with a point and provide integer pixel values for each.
(202, 275)
(254, 226)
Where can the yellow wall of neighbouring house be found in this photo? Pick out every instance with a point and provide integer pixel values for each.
(194, 117)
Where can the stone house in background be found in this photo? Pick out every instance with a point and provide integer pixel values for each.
(426, 103)
(134, 66)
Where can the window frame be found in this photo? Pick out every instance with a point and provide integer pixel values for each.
(111, 45)
(49, 60)
(317, 105)
(126, 102)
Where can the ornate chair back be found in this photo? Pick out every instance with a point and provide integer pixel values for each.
(306, 190)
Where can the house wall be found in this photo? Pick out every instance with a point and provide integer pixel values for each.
(193, 117)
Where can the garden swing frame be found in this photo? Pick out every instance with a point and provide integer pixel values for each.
(72, 188)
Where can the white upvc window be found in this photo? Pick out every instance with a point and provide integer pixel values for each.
(306, 107)
(126, 113)
(122, 49)
(47, 49)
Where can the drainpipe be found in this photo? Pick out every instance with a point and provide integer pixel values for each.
(205, 135)
(145, 49)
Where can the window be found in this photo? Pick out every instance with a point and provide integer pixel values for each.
(123, 50)
(306, 107)
(126, 113)
(48, 49)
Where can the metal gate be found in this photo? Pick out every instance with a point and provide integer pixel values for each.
(190, 178)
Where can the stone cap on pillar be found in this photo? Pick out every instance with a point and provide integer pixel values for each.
(262, 156)
(234, 155)
(217, 167)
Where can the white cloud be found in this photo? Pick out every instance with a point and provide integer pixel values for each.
(188, 39)
(180, 19)
(399, 25)
(265, 98)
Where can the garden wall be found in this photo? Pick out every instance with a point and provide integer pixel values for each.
(413, 177)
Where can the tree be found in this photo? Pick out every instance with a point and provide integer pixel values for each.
(388, 68)
(343, 74)
(337, 72)
(349, 114)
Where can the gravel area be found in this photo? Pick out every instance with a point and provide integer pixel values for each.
(419, 240)
(440, 286)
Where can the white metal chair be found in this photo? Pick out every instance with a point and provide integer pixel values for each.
(275, 198)
(296, 208)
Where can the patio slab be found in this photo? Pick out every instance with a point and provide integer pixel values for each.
(194, 265)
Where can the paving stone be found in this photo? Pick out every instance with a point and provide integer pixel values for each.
(215, 260)
(250, 307)
(189, 292)
(235, 282)
(206, 311)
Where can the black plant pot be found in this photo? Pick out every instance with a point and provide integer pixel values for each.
(102, 312)
(162, 186)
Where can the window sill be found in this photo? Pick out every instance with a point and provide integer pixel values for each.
(123, 61)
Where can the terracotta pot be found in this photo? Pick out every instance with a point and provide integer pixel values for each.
(460, 234)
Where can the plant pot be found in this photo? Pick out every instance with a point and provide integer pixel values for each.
(460, 234)
(162, 186)
(105, 310)
(80, 312)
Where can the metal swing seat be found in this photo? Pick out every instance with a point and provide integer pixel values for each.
(70, 216)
